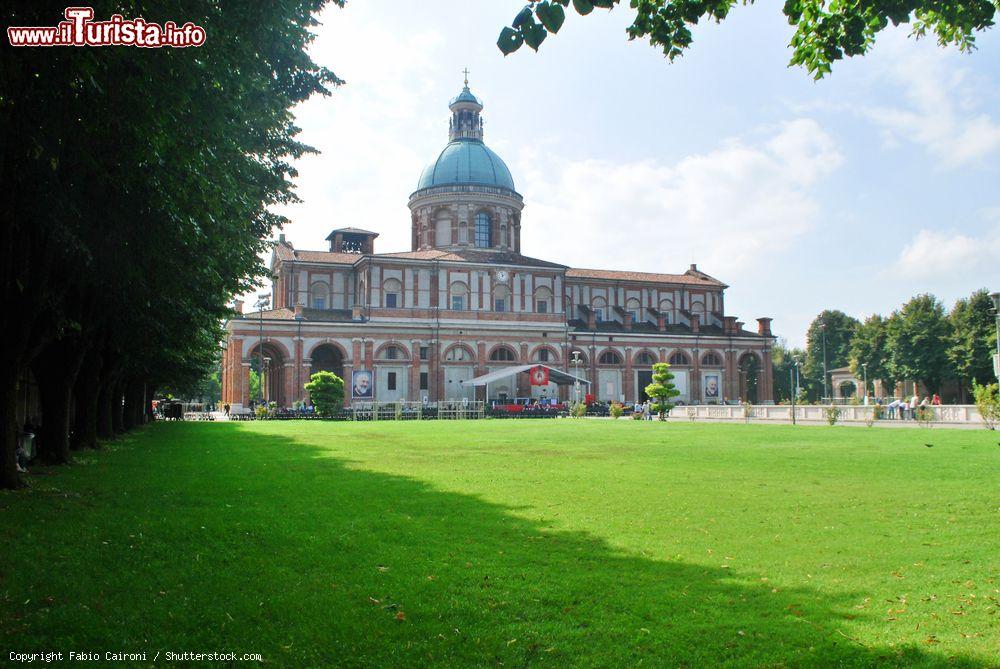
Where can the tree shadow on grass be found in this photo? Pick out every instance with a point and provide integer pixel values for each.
(272, 546)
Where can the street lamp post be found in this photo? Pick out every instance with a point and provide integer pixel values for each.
(798, 374)
(791, 387)
(864, 370)
(826, 389)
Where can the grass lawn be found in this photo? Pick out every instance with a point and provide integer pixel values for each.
(515, 543)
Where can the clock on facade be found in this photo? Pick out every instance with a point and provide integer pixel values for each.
(502, 275)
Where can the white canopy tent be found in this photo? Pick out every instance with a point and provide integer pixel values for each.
(556, 376)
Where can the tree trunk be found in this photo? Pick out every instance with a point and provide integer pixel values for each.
(105, 420)
(86, 393)
(135, 397)
(9, 476)
(54, 393)
(128, 410)
(141, 405)
(117, 412)
(56, 369)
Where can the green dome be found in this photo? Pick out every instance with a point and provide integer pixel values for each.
(466, 161)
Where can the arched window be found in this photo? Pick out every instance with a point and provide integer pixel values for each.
(543, 355)
(610, 358)
(458, 354)
(632, 306)
(319, 295)
(645, 358)
(458, 296)
(711, 359)
(679, 358)
(543, 300)
(667, 309)
(484, 232)
(392, 291)
(501, 298)
(503, 354)
(600, 306)
(442, 229)
(392, 353)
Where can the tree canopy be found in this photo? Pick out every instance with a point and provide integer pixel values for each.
(138, 187)
(917, 340)
(825, 32)
(973, 338)
(869, 354)
(836, 329)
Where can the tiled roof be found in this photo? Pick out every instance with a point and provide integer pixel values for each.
(282, 314)
(285, 253)
(285, 314)
(327, 315)
(690, 277)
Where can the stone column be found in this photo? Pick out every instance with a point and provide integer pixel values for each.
(436, 372)
(289, 390)
(244, 391)
(480, 366)
(694, 382)
(300, 375)
(766, 378)
(629, 377)
(732, 381)
(413, 391)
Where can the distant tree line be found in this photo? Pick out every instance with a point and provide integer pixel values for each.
(920, 341)
(137, 185)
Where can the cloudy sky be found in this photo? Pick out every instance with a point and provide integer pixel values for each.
(855, 192)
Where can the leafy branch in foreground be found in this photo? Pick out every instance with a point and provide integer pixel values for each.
(825, 31)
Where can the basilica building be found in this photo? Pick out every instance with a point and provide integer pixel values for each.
(465, 301)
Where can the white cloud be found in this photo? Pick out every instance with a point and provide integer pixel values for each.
(940, 113)
(948, 253)
(729, 209)
(373, 143)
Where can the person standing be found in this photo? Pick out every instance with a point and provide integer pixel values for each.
(914, 403)
(936, 401)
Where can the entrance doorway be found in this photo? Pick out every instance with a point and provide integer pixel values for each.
(643, 378)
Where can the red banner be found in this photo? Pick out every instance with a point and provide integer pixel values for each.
(539, 376)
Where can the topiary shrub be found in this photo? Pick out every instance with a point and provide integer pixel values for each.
(832, 414)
